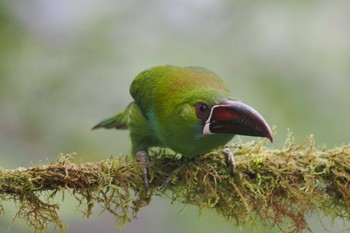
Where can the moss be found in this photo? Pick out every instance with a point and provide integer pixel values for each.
(273, 187)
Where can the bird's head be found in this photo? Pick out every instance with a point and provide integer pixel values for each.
(205, 120)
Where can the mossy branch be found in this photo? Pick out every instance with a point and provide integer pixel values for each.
(277, 186)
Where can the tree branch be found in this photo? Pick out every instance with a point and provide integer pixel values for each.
(275, 186)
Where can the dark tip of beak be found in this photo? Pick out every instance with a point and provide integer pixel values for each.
(235, 117)
(269, 135)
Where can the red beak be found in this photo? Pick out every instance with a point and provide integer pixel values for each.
(235, 117)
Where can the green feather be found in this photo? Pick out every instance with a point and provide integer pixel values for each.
(163, 112)
(119, 121)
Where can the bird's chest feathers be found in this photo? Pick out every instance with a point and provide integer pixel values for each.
(180, 130)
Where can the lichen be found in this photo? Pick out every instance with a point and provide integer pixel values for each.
(275, 187)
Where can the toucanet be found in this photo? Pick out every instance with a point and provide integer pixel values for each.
(187, 109)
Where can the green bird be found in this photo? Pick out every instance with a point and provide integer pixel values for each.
(187, 109)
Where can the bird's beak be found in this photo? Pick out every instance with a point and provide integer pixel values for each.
(235, 117)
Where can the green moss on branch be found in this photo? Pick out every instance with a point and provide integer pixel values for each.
(277, 186)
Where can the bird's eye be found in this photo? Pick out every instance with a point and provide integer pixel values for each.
(202, 110)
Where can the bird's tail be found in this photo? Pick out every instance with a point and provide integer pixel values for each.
(119, 121)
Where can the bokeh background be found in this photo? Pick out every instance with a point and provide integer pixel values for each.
(65, 65)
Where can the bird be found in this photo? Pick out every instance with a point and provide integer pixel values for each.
(189, 110)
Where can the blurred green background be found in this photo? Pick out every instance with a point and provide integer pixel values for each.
(65, 65)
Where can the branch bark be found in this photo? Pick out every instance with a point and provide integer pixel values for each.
(276, 186)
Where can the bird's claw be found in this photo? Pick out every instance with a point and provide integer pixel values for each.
(143, 157)
(230, 159)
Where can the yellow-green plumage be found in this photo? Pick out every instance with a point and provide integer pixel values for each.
(164, 110)
(166, 95)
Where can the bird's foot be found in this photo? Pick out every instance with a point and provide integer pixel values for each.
(230, 159)
(143, 157)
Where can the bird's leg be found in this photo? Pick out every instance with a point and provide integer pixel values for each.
(230, 158)
(143, 157)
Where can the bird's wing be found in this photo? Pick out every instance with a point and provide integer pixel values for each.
(119, 121)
